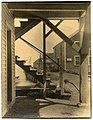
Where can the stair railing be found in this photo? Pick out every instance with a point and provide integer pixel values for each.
(40, 51)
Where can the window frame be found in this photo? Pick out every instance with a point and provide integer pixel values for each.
(75, 64)
(77, 42)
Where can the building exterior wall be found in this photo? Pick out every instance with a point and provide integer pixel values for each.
(59, 50)
(68, 54)
(71, 53)
(7, 21)
(38, 64)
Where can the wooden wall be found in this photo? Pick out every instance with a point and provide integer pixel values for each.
(7, 21)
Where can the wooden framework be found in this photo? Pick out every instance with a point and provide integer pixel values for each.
(44, 57)
(49, 14)
(69, 5)
(49, 10)
(52, 30)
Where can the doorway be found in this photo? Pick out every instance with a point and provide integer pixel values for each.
(9, 67)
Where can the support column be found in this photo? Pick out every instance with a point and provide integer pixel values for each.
(61, 72)
(80, 82)
(44, 59)
(85, 84)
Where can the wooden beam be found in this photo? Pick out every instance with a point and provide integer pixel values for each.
(49, 6)
(61, 72)
(40, 51)
(86, 40)
(44, 58)
(48, 14)
(52, 30)
(27, 28)
(80, 82)
(61, 35)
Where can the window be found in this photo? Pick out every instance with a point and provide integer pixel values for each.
(58, 60)
(9, 66)
(76, 42)
(76, 60)
(69, 59)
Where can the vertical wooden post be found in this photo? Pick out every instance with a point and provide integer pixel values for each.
(61, 72)
(44, 58)
(80, 83)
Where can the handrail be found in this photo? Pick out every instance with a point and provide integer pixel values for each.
(66, 81)
(40, 51)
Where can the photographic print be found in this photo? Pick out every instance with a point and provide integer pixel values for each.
(46, 59)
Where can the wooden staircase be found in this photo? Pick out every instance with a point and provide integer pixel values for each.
(27, 69)
(49, 92)
(25, 26)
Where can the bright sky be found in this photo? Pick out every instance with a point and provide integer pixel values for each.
(35, 36)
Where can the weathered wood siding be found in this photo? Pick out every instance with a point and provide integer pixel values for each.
(7, 21)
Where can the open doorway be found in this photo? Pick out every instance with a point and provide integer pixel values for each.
(9, 67)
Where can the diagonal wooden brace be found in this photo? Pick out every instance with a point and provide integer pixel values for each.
(52, 30)
(61, 35)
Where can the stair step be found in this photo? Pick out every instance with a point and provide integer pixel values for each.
(23, 30)
(17, 57)
(65, 96)
(21, 62)
(31, 20)
(33, 69)
(39, 75)
(51, 94)
(27, 67)
(40, 78)
(24, 23)
(52, 87)
(33, 72)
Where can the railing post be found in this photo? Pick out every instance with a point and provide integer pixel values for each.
(80, 81)
(44, 59)
(61, 72)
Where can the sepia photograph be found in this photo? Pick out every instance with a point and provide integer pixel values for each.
(46, 60)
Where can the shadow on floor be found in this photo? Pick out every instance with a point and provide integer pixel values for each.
(25, 107)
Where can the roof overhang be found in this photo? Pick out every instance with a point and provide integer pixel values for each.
(71, 10)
